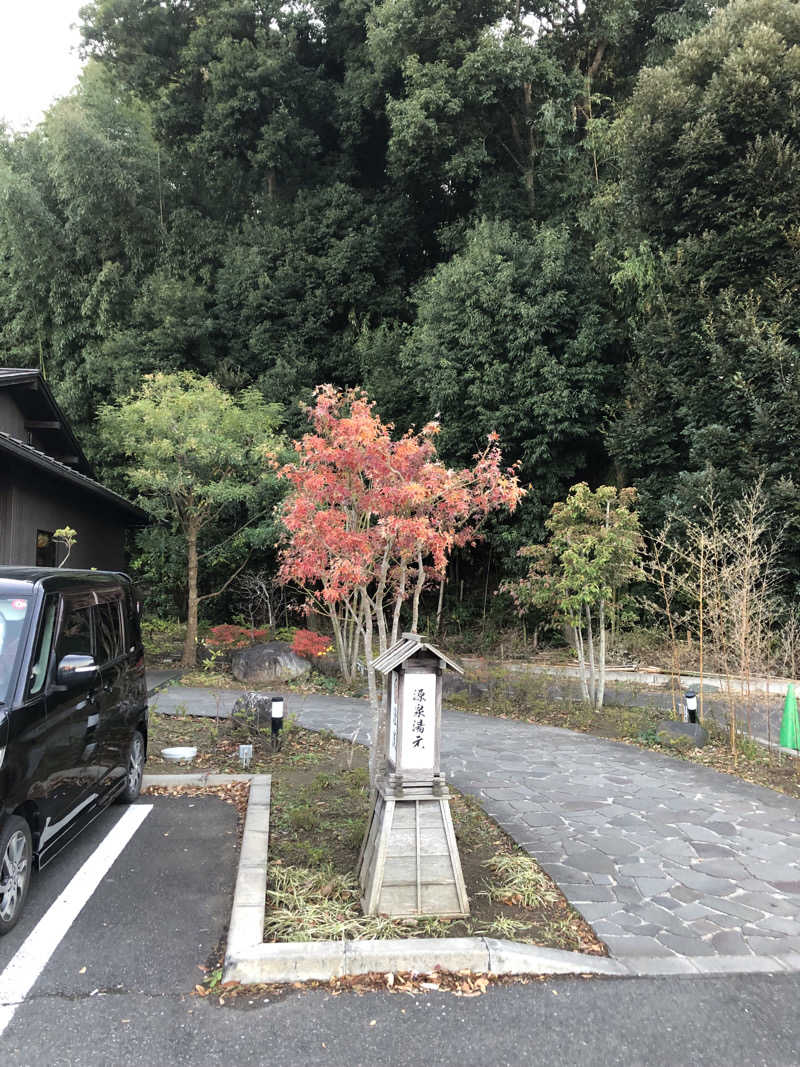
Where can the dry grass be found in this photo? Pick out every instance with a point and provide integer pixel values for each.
(518, 880)
(306, 904)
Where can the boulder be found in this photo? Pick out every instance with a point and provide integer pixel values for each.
(674, 733)
(273, 661)
(253, 711)
(328, 665)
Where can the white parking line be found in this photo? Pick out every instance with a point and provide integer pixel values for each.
(31, 958)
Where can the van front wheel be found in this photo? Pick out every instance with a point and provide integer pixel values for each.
(16, 864)
(134, 770)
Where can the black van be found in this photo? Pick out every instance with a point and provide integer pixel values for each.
(73, 713)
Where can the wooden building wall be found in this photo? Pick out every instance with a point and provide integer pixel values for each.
(31, 500)
(12, 420)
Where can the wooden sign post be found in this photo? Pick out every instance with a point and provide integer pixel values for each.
(409, 860)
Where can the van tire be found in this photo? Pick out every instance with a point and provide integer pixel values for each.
(134, 769)
(16, 868)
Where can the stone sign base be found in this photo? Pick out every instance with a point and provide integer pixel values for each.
(410, 864)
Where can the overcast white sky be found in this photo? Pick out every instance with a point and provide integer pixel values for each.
(38, 60)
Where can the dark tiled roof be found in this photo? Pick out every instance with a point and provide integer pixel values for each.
(28, 454)
(34, 384)
(11, 375)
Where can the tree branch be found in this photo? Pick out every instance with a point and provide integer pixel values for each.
(222, 588)
(598, 59)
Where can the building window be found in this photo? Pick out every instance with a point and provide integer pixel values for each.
(45, 549)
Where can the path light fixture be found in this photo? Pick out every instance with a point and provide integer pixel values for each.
(277, 722)
(690, 706)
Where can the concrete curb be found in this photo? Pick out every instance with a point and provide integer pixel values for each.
(197, 778)
(251, 960)
(165, 683)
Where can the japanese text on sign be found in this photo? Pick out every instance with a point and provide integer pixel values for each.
(419, 721)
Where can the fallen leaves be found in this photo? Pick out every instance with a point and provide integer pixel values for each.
(465, 984)
(458, 983)
(235, 793)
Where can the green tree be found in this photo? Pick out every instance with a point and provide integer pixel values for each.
(285, 194)
(509, 336)
(80, 229)
(295, 286)
(196, 454)
(590, 559)
(709, 156)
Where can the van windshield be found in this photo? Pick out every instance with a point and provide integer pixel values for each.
(13, 615)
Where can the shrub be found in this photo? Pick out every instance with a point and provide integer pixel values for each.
(228, 636)
(308, 644)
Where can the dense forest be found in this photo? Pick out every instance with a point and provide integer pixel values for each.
(574, 224)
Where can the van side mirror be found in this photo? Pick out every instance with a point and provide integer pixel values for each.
(75, 670)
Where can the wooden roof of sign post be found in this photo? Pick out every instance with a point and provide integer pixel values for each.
(409, 645)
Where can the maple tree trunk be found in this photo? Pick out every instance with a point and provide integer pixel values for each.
(440, 605)
(378, 726)
(355, 638)
(340, 641)
(190, 644)
(398, 603)
(380, 618)
(417, 592)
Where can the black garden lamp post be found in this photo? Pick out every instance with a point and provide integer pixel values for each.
(690, 704)
(277, 721)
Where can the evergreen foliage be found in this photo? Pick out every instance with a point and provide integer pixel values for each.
(707, 199)
(574, 224)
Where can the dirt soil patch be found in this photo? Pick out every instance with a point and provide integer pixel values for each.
(217, 743)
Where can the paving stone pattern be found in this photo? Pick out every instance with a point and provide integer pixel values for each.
(665, 858)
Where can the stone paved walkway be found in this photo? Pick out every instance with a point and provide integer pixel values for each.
(665, 858)
(662, 856)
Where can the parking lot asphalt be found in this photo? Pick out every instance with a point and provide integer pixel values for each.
(157, 915)
(737, 1021)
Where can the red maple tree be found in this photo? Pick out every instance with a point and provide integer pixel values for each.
(370, 519)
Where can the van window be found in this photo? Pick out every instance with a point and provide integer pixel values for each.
(13, 614)
(44, 646)
(75, 635)
(132, 623)
(108, 631)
